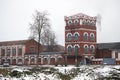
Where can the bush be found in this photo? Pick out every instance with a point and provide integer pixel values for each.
(64, 76)
(15, 74)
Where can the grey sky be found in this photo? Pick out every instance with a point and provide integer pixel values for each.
(15, 16)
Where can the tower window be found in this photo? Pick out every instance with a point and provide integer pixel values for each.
(69, 22)
(92, 37)
(84, 22)
(88, 22)
(76, 22)
(92, 49)
(76, 36)
(69, 37)
(93, 23)
(76, 49)
(69, 49)
(85, 49)
(85, 36)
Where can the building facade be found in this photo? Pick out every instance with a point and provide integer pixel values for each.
(14, 51)
(26, 52)
(80, 37)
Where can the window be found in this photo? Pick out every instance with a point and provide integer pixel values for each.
(14, 51)
(59, 58)
(92, 37)
(32, 59)
(76, 36)
(19, 60)
(69, 37)
(14, 60)
(39, 59)
(20, 51)
(76, 49)
(88, 22)
(84, 22)
(53, 59)
(32, 49)
(69, 22)
(2, 52)
(92, 49)
(69, 49)
(85, 49)
(45, 59)
(76, 22)
(85, 36)
(8, 52)
(93, 23)
(27, 58)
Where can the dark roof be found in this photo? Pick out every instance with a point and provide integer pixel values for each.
(114, 45)
(45, 53)
(57, 48)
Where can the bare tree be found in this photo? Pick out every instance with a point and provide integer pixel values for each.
(49, 40)
(38, 26)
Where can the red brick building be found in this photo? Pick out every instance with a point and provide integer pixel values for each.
(80, 38)
(14, 51)
(26, 52)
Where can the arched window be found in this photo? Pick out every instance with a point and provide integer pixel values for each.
(76, 22)
(88, 22)
(85, 36)
(92, 37)
(69, 22)
(92, 49)
(76, 36)
(93, 23)
(76, 49)
(69, 37)
(85, 48)
(83, 22)
(69, 49)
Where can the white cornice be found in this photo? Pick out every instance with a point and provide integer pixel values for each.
(81, 42)
(80, 29)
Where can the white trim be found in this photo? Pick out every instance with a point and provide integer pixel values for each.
(81, 42)
(92, 57)
(69, 21)
(91, 46)
(76, 33)
(81, 21)
(92, 34)
(59, 56)
(81, 29)
(76, 20)
(80, 15)
(86, 45)
(68, 34)
(68, 46)
(85, 33)
(76, 45)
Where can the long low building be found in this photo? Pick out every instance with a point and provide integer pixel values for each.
(26, 52)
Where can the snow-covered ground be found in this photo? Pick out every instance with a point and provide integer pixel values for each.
(84, 72)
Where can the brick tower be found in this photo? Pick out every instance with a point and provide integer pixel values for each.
(80, 38)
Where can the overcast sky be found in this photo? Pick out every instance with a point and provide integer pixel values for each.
(15, 16)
